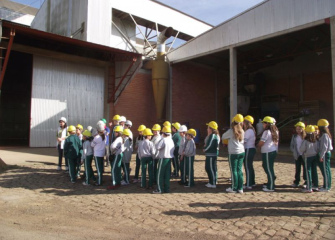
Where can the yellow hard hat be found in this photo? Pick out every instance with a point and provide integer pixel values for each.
(147, 132)
(87, 133)
(300, 124)
(310, 129)
(192, 132)
(167, 124)
(212, 125)
(141, 128)
(80, 127)
(118, 129)
(166, 129)
(71, 128)
(176, 125)
(126, 132)
(116, 117)
(249, 119)
(316, 127)
(156, 127)
(268, 119)
(323, 123)
(238, 118)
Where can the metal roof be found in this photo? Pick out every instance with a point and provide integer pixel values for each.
(267, 19)
(48, 41)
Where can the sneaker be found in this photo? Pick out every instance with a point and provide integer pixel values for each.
(268, 190)
(323, 190)
(306, 191)
(135, 180)
(59, 168)
(304, 186)
(254, 185)
(295, 185)
(240, 191)
(187, 186)
(210, 185)
(230, 190)
(315, 189)
(245, 187)
(124, 183)
(86, 184)
(156, 192)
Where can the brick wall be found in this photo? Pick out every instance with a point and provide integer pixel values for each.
(137, 102)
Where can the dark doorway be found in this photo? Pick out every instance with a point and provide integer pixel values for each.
(15, 100)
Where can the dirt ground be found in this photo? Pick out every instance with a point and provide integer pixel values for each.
(38, 202)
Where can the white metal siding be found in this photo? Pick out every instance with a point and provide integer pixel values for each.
(63, 89)
(269, 17)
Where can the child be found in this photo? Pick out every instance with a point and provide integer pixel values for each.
(182, 132)
(72, 150)
(250, 151)
(128, 125)
(146, 152)
(155, 139)
(87, 157)
(116, 151)
(137, 143)
(309, 149)
(123, 120)
(211, 152)
(62, 133)
(116, 122)
(188, 157)
(79, 130)
(176, 140)
(236, 151)
(107, 132)
(269, 147)
(325, 146)
(128, 150)
(295, 148)
(165, 147)
(98, 144)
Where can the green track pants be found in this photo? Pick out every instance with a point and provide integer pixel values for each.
(268, 163)
(235, 164)
(116, 169)
(163, 175)
(146, 163)
(249, 166)
(326, 172)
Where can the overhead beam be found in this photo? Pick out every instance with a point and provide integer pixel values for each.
(9, 48)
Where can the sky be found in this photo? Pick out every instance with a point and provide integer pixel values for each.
(213, 12)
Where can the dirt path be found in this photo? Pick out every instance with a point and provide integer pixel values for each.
(38, 202)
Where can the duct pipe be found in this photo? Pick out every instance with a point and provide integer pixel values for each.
(160, 73)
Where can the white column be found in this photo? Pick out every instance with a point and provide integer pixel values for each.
(332, 40)
(233, 82)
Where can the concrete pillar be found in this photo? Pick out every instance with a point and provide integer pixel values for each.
(233, 82)
(169, 115)
(332, 40)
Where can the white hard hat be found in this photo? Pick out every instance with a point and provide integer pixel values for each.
(129, 123)
(100, 128)
(89, 128)
(123, 119)
(63, 119)
(182, 128)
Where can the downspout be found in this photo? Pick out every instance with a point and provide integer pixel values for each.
(160, 73)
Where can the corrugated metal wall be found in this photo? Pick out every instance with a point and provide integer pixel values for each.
(63, 89)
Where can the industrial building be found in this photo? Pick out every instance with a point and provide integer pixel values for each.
(77, 59)
(273, 59)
